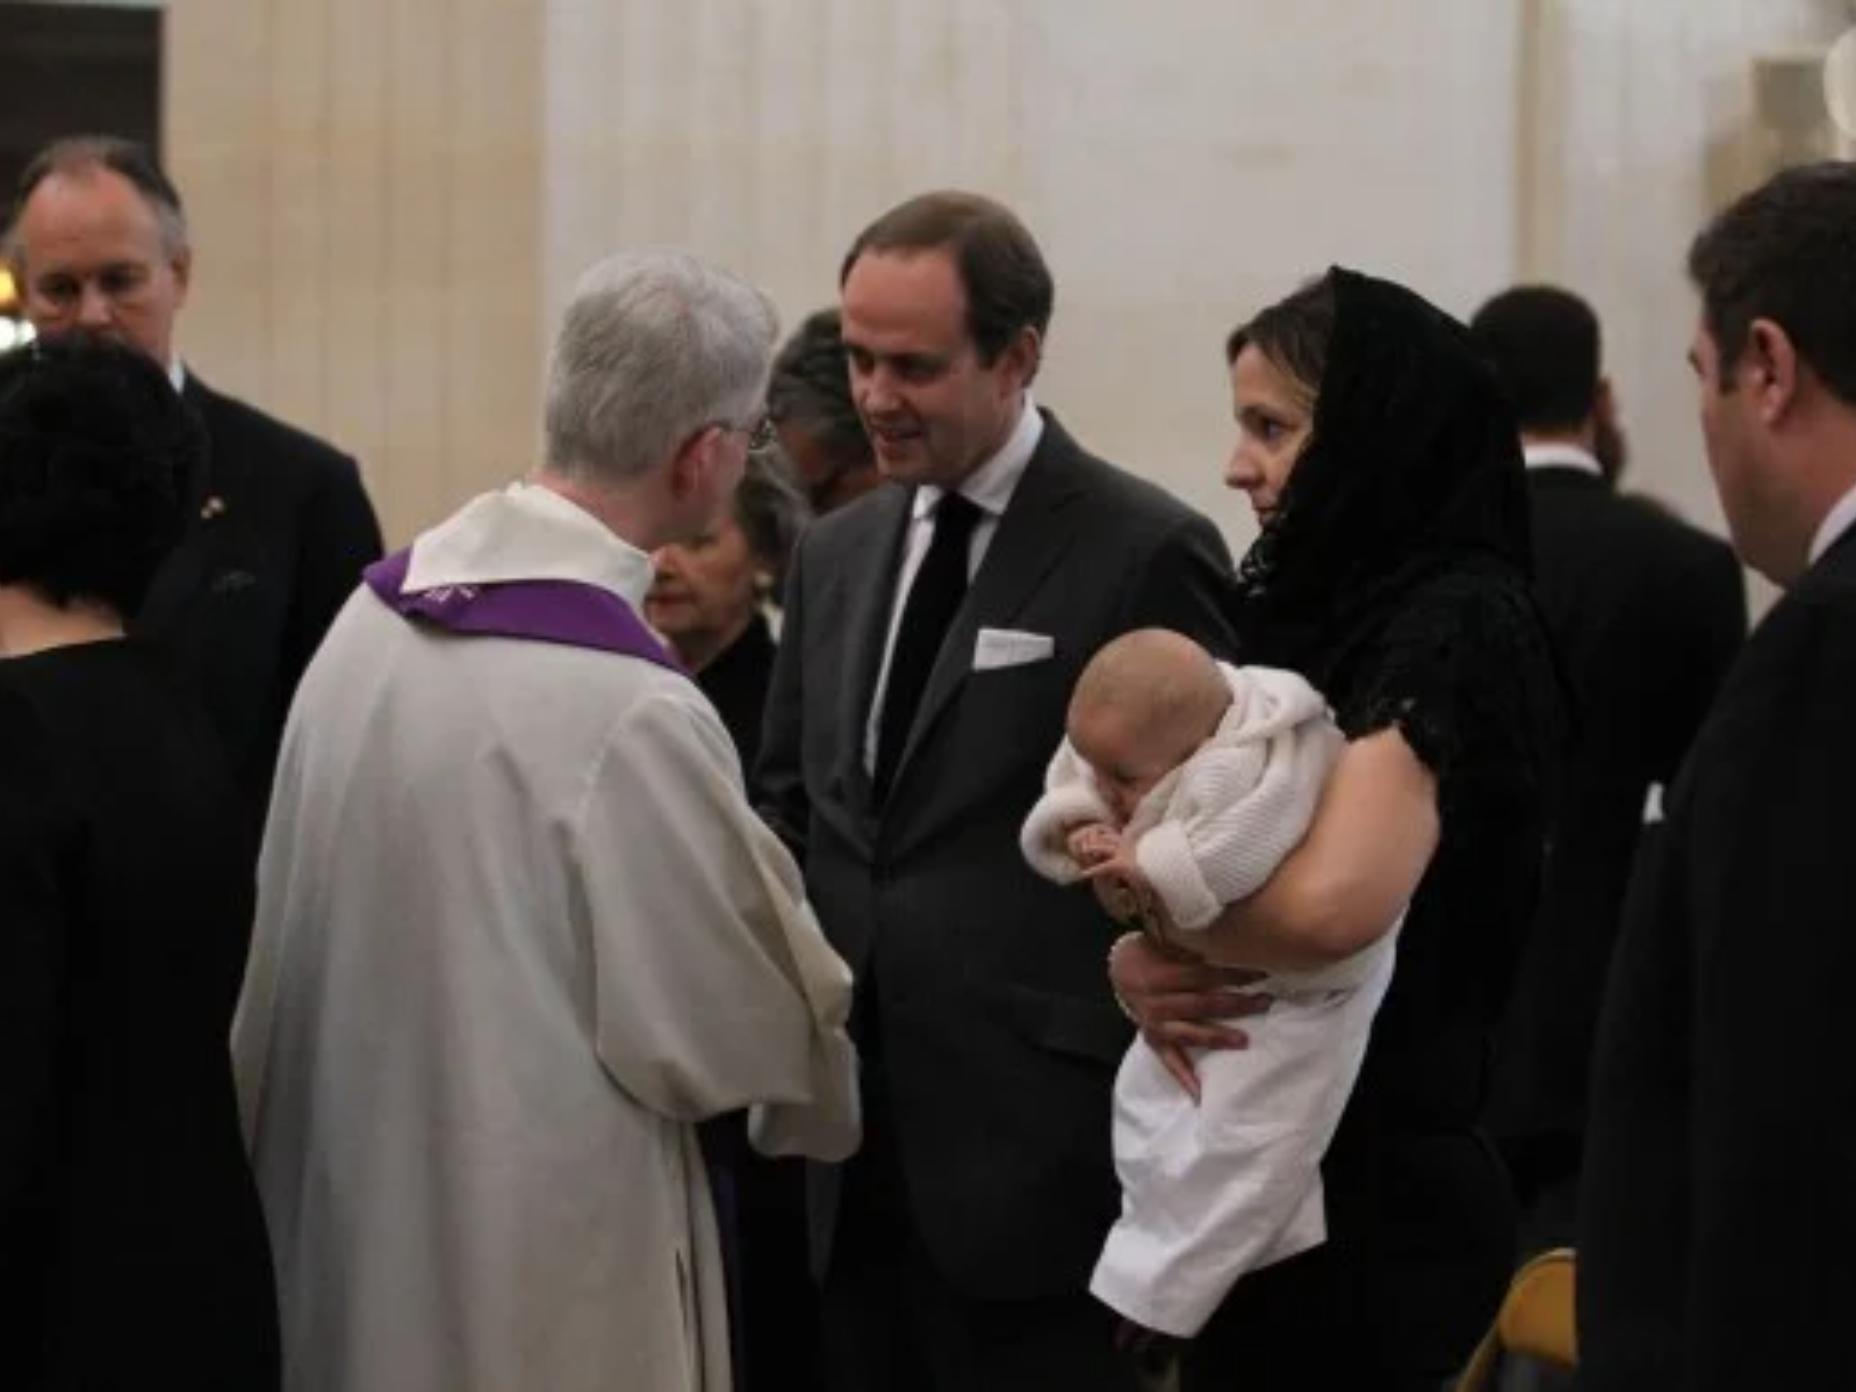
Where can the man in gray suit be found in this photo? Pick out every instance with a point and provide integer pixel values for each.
(934, 629)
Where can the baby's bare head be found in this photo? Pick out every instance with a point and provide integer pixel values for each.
(1142, 705)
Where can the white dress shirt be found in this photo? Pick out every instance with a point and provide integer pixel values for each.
(1561, 455)
(1836, 522)
(989, 488)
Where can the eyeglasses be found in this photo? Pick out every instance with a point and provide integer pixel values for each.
(760, 432)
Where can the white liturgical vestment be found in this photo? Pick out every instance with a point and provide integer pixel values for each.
(517, 932)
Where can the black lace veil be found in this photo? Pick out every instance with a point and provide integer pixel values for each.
(1413, 467)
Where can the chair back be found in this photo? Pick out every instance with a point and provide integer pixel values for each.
(1536, 1320)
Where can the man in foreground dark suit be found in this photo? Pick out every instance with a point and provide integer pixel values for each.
(98, 242)
(1718, 1212)
(1647, 613)
(933, 632)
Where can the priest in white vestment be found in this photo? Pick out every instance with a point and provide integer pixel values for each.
(518, 929)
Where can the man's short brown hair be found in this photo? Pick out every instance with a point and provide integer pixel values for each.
(1007, 283)
(1786, 252)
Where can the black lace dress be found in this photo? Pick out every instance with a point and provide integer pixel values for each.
(1395, 577)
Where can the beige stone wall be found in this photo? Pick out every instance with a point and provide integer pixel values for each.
(1181, 162)
(391, 198)
(364, 183)
(1638, 124)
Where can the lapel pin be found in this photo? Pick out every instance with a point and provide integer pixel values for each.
(215, 506)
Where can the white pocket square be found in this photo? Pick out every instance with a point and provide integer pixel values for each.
(1008, 647)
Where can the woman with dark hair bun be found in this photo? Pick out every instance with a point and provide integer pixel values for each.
(809, 398)
(1392, 571)
(132, 1246)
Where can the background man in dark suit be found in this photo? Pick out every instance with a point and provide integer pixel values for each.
(98, 243)
(1647, 613)
(1719, 1214)
(933, 632)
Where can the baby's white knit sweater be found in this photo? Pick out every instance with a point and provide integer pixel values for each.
(1217, 826)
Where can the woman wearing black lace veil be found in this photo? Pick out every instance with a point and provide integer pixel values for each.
(1392, 571)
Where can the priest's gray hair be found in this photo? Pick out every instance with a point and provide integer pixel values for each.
(655, 346)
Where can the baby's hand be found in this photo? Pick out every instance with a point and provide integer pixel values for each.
(1093, 843)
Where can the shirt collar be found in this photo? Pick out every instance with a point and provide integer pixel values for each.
(177, 374)
(990, 487)
(1837, 521)
(1561, 455)
(527, 532)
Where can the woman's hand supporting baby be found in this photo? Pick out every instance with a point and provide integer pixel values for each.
(1182, 1003)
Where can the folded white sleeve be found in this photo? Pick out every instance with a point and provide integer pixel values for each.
(1070, 800)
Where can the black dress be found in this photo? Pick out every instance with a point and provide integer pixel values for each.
(1396, 578)
(132, 1246)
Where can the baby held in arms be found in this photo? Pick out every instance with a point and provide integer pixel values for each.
(1204, 777)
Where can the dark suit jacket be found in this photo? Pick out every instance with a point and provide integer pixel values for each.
(999, 1036)
(1717, 1244)
(1647, 614)
(241, 605)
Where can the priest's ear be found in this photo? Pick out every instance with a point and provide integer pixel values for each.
(696, 464)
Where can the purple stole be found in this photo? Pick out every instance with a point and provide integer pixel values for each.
(571, 612)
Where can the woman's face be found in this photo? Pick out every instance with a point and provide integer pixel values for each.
(1274, 415)
(705, 592)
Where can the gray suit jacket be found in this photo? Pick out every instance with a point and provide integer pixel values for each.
(999, 1037)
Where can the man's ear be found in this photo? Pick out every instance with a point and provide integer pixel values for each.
(1605, 404)
(1769, 370)
(1610, 445)
(690, 465)
(1022, 357)
(182, 262)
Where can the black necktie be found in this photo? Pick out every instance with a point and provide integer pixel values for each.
(934, 598)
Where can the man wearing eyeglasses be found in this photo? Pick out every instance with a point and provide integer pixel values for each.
(518, 929)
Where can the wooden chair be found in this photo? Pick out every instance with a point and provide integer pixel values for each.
(1535, 1321)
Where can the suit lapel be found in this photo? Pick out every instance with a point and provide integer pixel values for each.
(178, 585)
(1031, 539)
(870, 582)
